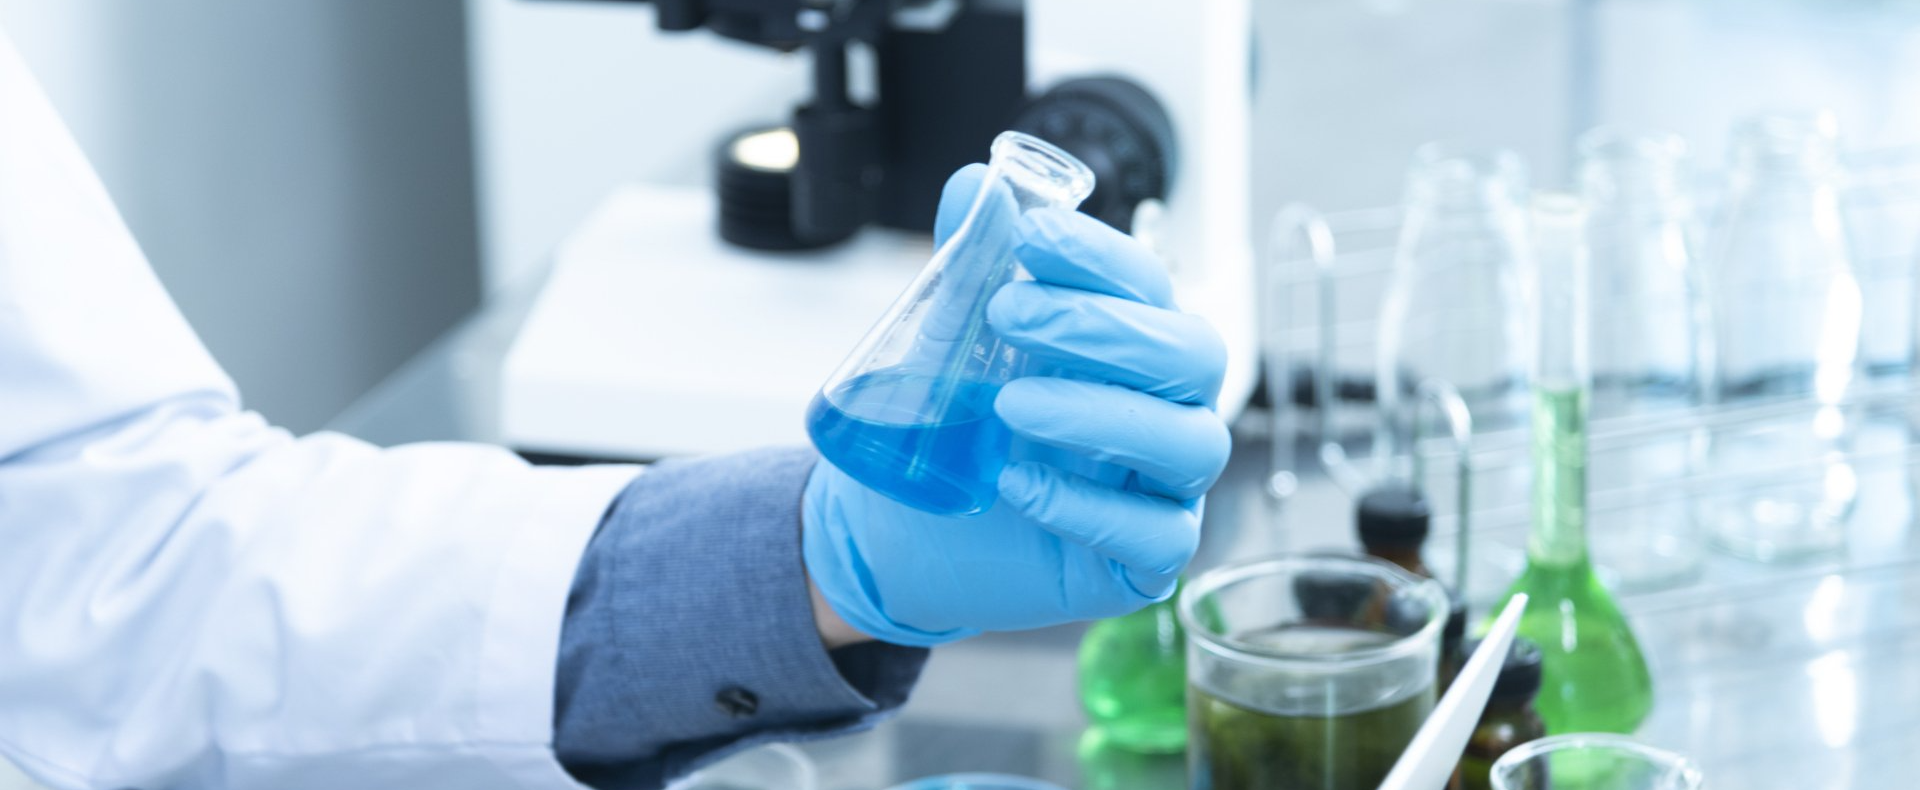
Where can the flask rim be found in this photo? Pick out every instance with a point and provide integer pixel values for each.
(1787, 141)
(1042, 167)
(1451, 172)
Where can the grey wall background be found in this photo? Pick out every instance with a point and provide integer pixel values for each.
(299, 172)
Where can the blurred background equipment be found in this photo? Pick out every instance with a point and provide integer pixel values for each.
(327, 186)
(1153, 97)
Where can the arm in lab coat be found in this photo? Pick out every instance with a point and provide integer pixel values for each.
(190, 597)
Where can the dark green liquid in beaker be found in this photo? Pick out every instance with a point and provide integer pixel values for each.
(1234, 746)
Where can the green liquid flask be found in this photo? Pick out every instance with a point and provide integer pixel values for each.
(1593, 676)
(1133, 679)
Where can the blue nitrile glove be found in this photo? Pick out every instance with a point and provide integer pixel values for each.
(1056, 547)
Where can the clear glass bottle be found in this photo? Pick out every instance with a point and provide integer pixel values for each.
(1786, 318)
(1455, 308)
(910, 412)
(1509, 718)
(1649, 340)
(1595, 678)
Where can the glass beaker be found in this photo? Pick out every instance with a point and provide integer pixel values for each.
(1786, 317)
(1587, 761)
(1307, 671)
(1649, 336)
(910, 412)
(1455, 306)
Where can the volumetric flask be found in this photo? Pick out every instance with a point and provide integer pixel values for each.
(1307, 672)
(1786, 317)
(1648, 338)
(1455, 307)
(1588, 761)
(910, 412)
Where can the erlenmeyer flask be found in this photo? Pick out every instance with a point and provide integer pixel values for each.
(1648, 341)
(1786, 317)
(910, 412)
(1455, 308)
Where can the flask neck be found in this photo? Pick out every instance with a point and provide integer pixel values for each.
(1786, 150)
(1558, 539)
(1624, 174)
(1561, 377)
(1560, 298)
(1447, 180)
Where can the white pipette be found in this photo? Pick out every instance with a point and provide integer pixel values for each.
(1428, 762)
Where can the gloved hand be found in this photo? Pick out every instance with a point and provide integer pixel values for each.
(1132, 387)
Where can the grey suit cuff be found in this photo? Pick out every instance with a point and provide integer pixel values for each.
(690, 634)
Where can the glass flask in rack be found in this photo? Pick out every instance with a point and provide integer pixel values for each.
(1455, 308)
(1786, 327)
(1649, 340)
(910, 412)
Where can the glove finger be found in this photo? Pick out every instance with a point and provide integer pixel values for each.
(1151, 537)
(1157, 351)
(1176, 450)
(1070, 248)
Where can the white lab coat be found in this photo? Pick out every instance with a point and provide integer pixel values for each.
(192, 597)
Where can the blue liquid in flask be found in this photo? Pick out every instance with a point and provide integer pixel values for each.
(872, 428)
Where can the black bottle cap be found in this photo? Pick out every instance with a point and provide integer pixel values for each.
(1519, 679)
(1333, 596)
(1393, 516)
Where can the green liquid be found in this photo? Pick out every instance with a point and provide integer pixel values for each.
(1133, 679)
(1239, 747)
(1594, 676)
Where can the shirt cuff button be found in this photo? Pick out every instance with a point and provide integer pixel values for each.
(737, 702)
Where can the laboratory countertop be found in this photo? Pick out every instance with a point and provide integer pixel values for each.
(1806, 677)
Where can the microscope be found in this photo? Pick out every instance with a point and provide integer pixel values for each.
(683, 321)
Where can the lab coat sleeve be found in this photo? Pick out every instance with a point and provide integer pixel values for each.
(690, 633)
(190, 597)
